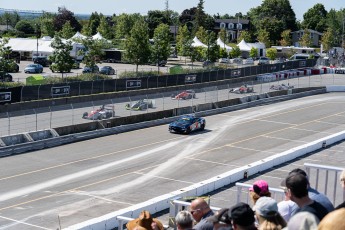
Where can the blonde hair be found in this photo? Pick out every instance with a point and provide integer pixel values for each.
(333, 220)
(274, 222)
(254, 196)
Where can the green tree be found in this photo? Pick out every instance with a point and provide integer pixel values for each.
(286, 38)
(47, 25)
(93, 51)
(62, 17)
(5, 51)
(222, 35)
(160, 50)
(253, 52)
(25, 26)
(200, 16)
(104, 28)
(263, 36)
(61, 59)
(327, 39)
(92, 25)
(125, 23)
(271, 53)
(137, 44)
(245, 35)
(305, 40)
(212, 47)
(154, 19)
(235, 52)
(273, 16)
(184, 41)
(315, 18)
(67, 31)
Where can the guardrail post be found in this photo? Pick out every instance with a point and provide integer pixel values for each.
(9, 124)
(72, 114)
(36, 118)
(50, 119)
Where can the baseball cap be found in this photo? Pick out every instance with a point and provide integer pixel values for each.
(242, 214)
(266, 206)
(260, 187)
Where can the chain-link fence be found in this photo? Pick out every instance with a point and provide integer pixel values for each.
(63, 115)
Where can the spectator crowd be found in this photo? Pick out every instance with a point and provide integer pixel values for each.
(303, 208)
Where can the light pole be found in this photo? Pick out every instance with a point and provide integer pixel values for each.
(36, 40)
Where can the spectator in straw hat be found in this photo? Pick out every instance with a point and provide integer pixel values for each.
(259, 189)
(334, 220)
(145, 222)
(303, 221)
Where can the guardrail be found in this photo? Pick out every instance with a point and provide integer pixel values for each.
(328, 184)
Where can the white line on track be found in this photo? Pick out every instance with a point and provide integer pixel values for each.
(20, 222)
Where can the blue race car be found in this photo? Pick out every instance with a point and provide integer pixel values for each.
(187, 123)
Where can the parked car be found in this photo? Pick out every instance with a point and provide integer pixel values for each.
(207, 64)
(223, 60)
(248, 61)
(108, 70)
(33, 68)
(187, 124)
(263, 60)
(42, 60)
(5, 76)
(238, 61)
(88, 69)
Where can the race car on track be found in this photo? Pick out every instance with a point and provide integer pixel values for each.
(243, 89)
(140, 105)
(184, 95)
(104, 112)
(281, 87)
(187, 124)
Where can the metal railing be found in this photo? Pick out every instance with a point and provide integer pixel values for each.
(329, 176)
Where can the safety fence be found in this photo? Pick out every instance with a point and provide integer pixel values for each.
(67, 89)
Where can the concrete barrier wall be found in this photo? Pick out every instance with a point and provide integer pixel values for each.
(162, 202)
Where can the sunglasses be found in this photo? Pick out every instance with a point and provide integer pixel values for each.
(194, 211)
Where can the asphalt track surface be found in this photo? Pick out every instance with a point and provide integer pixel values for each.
(62, 186)
(58, 116)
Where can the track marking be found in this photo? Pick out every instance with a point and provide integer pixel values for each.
(308, 130)
(280, 138)
(165, 178)
(213, 162)
(84, 193)
(24, 223)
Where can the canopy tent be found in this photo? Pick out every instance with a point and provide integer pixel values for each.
(97, 36)
(243, 46)
(223, 45)
(78, 36)
(198, 43)
(41, 45)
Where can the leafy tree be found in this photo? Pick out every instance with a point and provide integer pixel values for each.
(271, 53)
(154, 19)
(125, 23)
(25, 26)
(286, 38)
(62, 17)
(263, 36)
(273, 16)
(253, 52)
(245, 35)
(305, 40)
(104, 28)
(92, 25)
(235, 52)
(212, 47)
(5, 51)
(200, 16)
(160, 49)
(315, 18)
(47, 24)
(222, 35)
(9, 19)
(61, 58)
(184, 41)
(137, 44)
(93, 51)
(67, 30)
(327, 39)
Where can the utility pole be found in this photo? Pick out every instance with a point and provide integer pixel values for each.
(37, 40)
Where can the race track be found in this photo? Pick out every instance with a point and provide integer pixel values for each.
(62, 186)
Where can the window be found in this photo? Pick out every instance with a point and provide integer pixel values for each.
(231, 25)
(239, 26)
(222, 25)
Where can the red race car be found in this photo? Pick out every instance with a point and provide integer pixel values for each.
(184, 95)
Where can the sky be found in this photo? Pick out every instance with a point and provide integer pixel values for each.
(109, 7)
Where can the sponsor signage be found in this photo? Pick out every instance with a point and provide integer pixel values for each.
(236, 73)
(190, 78)
(60, 90)
(130, 84)
(339, 71)
(5, 96)
(302, 63)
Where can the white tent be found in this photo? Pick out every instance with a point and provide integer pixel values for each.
(97, 36)
(198, 43)
(78, 36)
(41, 45)
(223, 45)
(243, 46)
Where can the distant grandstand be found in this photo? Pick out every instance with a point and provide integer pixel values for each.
(30, 14)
